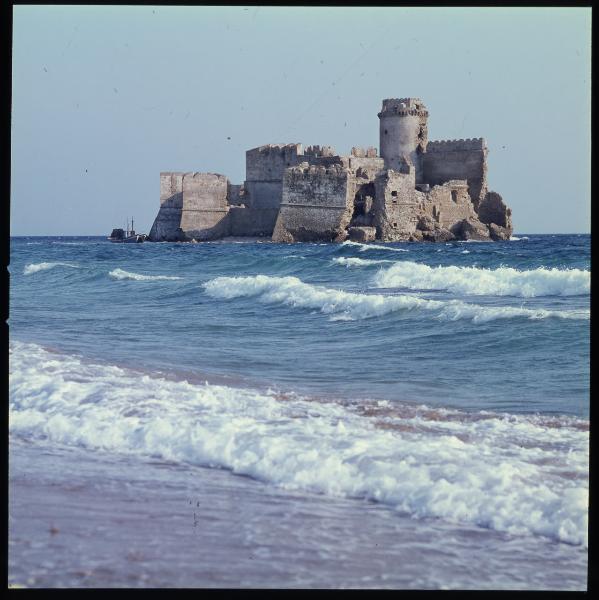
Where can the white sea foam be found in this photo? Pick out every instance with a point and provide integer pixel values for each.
(364, 247)
(45, 266)
(342, 305)
(359, 262)
(503, 281)
(516, 474)
(121, 274)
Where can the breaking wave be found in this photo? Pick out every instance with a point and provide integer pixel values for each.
(517, 474)
(121, 274)
(342, 305)
(364, 247)
(358, 262)
(503, 281)
(45, 266)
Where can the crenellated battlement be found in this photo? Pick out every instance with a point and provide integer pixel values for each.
(369, 152)
(403, 107)
(278, 149)
(319, 151)
(306, 168)
(203, 176)
(457, 145)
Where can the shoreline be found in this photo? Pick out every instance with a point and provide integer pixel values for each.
(398, 408)
(85, 519)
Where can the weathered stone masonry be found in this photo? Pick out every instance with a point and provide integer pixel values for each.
(415, 191)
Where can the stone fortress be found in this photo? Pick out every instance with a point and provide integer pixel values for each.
(415, 191)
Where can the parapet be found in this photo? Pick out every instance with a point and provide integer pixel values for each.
(318, 151)
(369, 152)
(456, 145)
(403, 107)
(204, 176)
(306, 168)
(278, 149)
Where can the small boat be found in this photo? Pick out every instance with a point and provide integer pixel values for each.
(127, 236)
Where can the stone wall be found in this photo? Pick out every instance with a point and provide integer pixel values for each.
(371, 164)
(167, 222)
(457, 159)
(264, 169)
(235, 194)
(317, 204)
(252, 222)
(396, 205)
(449, 203)
(192, 206)
(205, 206)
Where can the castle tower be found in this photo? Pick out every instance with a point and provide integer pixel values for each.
(403, 133)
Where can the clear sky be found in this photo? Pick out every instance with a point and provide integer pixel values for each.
(104, 98)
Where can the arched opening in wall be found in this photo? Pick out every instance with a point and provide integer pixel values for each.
(454, 196)
(363, 201)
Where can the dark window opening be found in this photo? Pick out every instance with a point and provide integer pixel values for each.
(394, 194)
(385, 132)
(363, 202)
(454, 195)
(395, 225)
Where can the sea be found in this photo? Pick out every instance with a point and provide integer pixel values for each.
(245, 414)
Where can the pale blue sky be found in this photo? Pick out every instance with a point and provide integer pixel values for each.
(104, 98)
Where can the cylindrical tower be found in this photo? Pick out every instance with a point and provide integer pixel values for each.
(403, 133)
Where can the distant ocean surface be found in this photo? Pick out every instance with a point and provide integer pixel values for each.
(446, 385)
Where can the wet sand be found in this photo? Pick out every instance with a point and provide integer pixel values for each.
(83, 519)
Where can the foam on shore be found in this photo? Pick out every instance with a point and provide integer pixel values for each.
(524, 475)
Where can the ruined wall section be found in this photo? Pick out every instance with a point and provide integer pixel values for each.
(317, 204)
(448, 160)
(168, 220)
(449, 203)
(235, 194)
(371, 165)
(397, 205)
